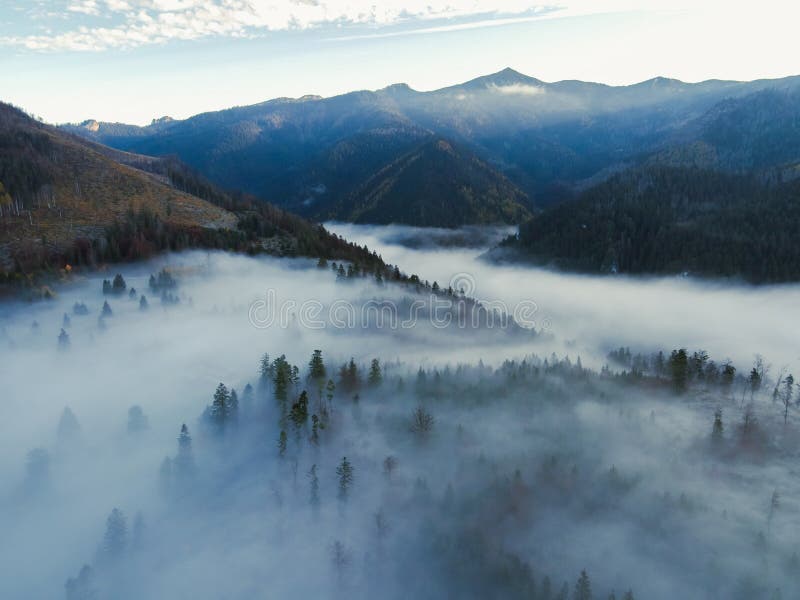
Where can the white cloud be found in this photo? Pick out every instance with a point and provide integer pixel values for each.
(517, 89)
(141, 22)
(86, 7)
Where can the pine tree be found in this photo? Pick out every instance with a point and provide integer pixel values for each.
(786, 396)
(679, 370)
(583, 588)
(143, 305)
(345, 473)
(184, 461)
(314, 489)
(119, 284)
(717, 432)
(137, 421)
(63, 340)
(330, 388)
(106, 312)
(299, 412)
(220, 406)
(233, 406)
(69, 429)
(316, 368)
(375, 376)
(265, 368)
(281, 378)
(115, 540)
(315, 429)
(282, 440)
(82, 586)
(247, 398)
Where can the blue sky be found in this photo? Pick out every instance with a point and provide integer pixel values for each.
(133, 60)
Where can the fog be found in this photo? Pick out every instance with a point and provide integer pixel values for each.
(593, 313)
(520, 469)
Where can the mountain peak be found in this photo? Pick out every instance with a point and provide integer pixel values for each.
(398, 88)
(506, 77)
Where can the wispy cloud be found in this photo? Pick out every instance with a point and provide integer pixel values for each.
(517, 89)
(105, 24)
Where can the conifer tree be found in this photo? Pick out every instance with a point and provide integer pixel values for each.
(220, 406)
(282, 440)
(115, 539)
(233, 406)
(314, 487)
(143, 305)
(81, 587)
(299, 412)
(137, 421)
(69, 429)
(583, 588)
(718, 430)
(345, 474)
(184, 461)
(265, 368)
(247, 398)
(679, 370)
(106, 312)
(63, 340)
(316, 368)
(375, 377)
(315, 429)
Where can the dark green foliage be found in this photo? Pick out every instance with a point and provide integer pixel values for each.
(316, 368)
(281, 378)
(299, 411)
(220, 410)
(349, 379)
(664, 220)
(679, 370)
(345, 474)
(375, 377)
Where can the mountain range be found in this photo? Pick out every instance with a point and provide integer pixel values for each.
(523, 141)
(658, 177)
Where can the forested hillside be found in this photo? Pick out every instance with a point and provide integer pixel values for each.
(670, 220)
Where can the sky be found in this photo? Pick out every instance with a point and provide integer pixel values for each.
(135, 60)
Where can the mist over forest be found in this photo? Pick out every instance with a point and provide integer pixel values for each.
(626, 438)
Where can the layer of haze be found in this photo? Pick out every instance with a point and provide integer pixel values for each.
(563, 472)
